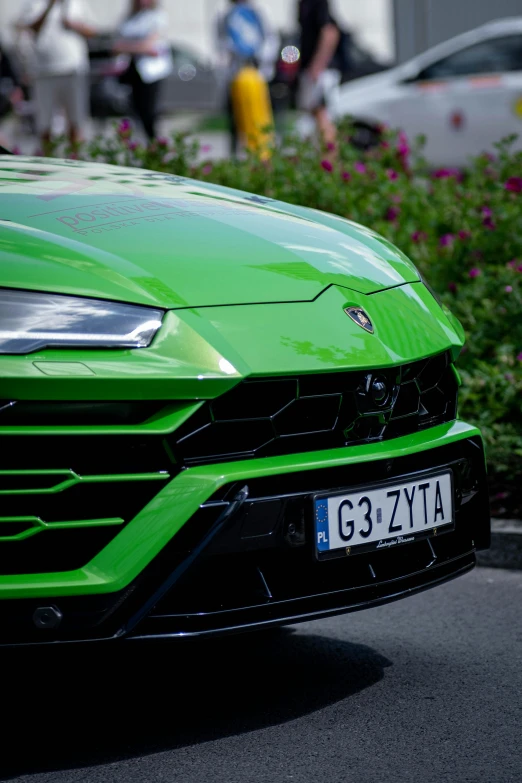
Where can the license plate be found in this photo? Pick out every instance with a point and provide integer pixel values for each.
(385, 516)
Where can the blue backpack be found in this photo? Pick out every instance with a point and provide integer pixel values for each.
(244, 31)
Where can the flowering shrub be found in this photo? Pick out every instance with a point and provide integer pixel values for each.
(462, 228)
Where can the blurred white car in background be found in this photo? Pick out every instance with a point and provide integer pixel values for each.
(463, 95)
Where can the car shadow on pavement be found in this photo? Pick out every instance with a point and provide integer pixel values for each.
(84, 705)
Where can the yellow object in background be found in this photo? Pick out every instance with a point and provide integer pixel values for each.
(518, 107)
(253, 110)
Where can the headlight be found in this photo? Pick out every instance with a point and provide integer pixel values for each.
(32, 321)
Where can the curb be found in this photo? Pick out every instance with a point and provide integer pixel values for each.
(506, 545)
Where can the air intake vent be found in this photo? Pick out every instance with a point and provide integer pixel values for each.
(270, 416)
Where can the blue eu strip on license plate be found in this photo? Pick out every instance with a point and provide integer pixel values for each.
(381, 517)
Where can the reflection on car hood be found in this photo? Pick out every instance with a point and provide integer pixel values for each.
(145, 237)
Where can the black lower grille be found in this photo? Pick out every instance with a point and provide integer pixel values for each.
(64, 531)
(266, 558)
(65, 497)
(270, 416)
(260, 568)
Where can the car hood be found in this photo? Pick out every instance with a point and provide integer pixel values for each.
(151, 238)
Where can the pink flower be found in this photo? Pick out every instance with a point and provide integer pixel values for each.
(519, 357)
(124, 128)
(346, 176)
(207, 169)
(508, 289)
(330, 146)
(385, 145)
(162, 141)
(16, 150)
(392, 175)
(133, 146)
(514, 184)
(419, 236)
(206, 147)
(326, 165)
(512, 264)
(403, 147)
(447, 240)
(452, 287)
(463, 235)
(475, 272)
(360, 168)
(519, 268)
(489, 224)
(447, 173)
(392, 214)
(486, 211)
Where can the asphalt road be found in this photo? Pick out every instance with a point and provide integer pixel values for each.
(425, 690)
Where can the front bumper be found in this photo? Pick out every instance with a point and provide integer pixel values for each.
(201, 559)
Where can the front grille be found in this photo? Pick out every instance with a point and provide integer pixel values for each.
(266, 417)
(66, 494)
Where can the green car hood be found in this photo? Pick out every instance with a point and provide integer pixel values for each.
(151, 238)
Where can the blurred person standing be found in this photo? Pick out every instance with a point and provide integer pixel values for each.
(320, 38)
(11, 94)
(60, 63)
(142, 37)
(244, 38)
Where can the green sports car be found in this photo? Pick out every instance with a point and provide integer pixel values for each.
(218, 412)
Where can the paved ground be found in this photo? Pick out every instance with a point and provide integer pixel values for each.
(506, 545)
(214, 144)
(427, 689)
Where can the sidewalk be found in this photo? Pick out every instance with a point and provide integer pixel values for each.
(506, 545)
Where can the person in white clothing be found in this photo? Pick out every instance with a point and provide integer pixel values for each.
(61, 63)
(142, 38)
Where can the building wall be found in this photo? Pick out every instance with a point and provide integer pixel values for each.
(420, 24)
(190, 21)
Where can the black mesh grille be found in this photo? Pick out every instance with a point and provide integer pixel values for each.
(265, 417)
(65, 496)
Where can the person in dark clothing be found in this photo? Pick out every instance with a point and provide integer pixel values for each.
(11, 94)
(142, 37)
(144, 99)
(320, 36)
